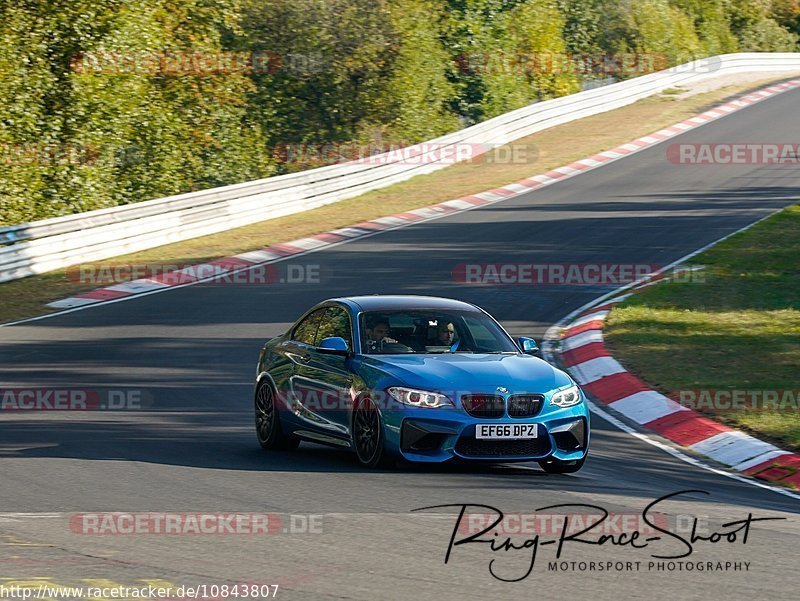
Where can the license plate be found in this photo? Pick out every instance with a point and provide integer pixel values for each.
(501, 431)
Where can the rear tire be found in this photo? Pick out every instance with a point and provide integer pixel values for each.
(269, 432)
(556, 466)
(368, 436)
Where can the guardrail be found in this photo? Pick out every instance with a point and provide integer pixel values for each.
(51, 244)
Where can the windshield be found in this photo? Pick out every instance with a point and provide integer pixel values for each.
(432, 331)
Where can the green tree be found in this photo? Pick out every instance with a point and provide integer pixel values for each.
(499, 46)
(787, 14)
(413, 103)
(330, 60)
(712, 25)
(536, 29)
(767, 36)
(664, 30)
(168, 131)
(36, 119)
(134, 134)
(752, 23)
(74, 137)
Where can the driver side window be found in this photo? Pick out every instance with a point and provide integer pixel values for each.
(335, 322)
(306, 330)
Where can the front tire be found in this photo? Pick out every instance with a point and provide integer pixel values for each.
(556, 466)
(268, 422)
(368, 436)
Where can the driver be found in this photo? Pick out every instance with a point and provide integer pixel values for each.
(377, 333)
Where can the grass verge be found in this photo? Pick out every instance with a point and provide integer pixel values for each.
(728, 342)
(545, 150)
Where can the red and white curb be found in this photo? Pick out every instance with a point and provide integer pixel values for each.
(230, 265)
(584, 355)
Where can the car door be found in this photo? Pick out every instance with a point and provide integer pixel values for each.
(296, 349)
(322, 382)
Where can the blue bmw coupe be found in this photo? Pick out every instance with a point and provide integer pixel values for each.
(417, 378)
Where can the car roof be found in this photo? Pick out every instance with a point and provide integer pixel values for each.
(378, 302)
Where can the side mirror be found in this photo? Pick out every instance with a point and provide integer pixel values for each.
(333, 346)
(528, 346)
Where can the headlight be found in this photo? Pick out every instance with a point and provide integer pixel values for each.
(419, 398)
(567, 397)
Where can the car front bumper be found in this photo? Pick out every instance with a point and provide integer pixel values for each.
(434, 436)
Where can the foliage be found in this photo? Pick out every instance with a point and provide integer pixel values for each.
(93, 114)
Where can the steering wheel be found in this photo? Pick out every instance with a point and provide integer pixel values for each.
(394, 347)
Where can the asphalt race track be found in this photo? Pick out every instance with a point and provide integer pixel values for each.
(192, 447)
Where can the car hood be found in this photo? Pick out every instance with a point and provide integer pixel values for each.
(467, 372)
